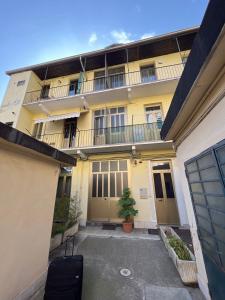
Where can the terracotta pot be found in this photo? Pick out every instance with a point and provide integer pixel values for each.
(127, 226)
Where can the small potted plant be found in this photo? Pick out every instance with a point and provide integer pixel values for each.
(127, 210)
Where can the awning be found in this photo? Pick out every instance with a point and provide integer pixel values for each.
(58, 117)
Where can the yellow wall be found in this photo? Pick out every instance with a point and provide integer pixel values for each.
(28, 188)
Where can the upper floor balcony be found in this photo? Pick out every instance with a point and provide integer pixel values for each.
(148, 81)
(109, 139)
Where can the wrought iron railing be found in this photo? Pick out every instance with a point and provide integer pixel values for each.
(106, 82)
(104, 136)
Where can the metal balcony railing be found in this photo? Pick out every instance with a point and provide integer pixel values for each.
(104, 136)
(144, 76)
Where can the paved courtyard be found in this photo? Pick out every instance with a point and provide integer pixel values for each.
(153, 275)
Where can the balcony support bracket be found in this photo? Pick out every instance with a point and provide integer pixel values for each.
(82, 155)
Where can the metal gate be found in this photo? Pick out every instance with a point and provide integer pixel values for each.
(206, 178)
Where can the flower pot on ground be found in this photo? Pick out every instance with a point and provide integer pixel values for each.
(127, 211)
(182, 257)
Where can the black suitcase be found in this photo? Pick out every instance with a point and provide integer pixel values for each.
(64, 279)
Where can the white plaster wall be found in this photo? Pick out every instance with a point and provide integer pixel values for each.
(179, 194)
(209, 132)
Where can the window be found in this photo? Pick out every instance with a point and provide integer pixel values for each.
(20, 82)
(109, 178)
(45, 91)
(148, 73)
(206, 179)
(113, 78)
(154, 115)
(73, 87)
(37, 130)
(112, 117)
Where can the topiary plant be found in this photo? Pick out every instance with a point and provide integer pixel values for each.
(126, 202)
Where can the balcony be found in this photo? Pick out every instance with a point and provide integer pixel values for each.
(146, 82)
(106, 139)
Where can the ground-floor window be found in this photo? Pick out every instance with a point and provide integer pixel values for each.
(109, 178)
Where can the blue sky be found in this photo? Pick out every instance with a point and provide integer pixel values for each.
(38, 31)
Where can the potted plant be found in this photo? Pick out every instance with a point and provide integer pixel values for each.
(127, 211)
(182, 257)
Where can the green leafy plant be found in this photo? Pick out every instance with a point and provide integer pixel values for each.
(179, 247)
(74, 212)
(126, 202)
(66, 214)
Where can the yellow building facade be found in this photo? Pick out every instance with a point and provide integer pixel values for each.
(107, 108)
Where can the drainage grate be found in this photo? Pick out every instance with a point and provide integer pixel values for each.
(109, 226)
(125, 272)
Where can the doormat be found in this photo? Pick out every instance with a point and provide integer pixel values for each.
(108, 226)
(153, 231)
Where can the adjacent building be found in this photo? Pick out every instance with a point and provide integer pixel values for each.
(196, 124)
(29, 171)
(106, 108)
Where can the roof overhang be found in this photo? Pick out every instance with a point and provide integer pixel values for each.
(204, 69)
(146, 48)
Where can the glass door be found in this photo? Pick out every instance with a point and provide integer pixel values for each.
(165, 201)
(70, 128)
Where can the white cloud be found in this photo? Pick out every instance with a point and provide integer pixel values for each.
(92, 39)
(148, 35)
(121, 36)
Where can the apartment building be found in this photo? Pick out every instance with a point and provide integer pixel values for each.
(107, 109)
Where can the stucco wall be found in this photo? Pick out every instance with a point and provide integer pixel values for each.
(28, 188)
(210, 131)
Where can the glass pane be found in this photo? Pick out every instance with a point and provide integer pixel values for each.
(196, 188)
(199, 199)
(112, 184)
(160, 166)
(68, 186)
(218, 218)
(105, 185)
(213, 187)
(158, 185)
(192, 167)
(123, 165)
(221, 248)
(209, 174)
(94, 185)
(99, 185)
(59, 187)
(221, 154)
(104, 166)
(205, 161)
(220, 232)
(194, 177)
(114, 165)
(113, 110)
(204, 224)
(223, 170)
(97, 113)
(118, 185)
(202, 211)
(216, 202)
(125, 180)
(208, 250)
(121, 109)
(169, 185)
(96, 166)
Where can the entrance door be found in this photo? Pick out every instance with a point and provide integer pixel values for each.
(165, 201)
(70, 128)
(109, 178)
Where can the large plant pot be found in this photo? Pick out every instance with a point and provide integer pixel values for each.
(127, 227)
(186, 268)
